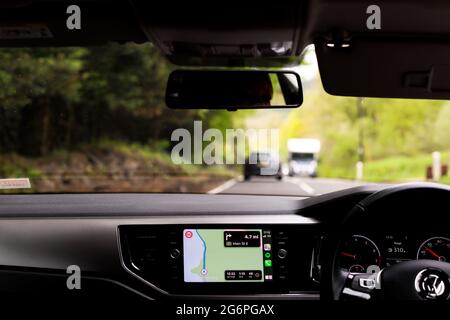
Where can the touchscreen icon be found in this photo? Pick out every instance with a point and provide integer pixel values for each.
(268, 263)
(267, 247)
(188, 234)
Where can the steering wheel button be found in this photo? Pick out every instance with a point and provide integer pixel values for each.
(367, 283)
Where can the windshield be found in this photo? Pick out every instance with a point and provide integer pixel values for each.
(95, 120)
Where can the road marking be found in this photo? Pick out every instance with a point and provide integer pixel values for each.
(306, 187)
(302, 185)
(223, 187)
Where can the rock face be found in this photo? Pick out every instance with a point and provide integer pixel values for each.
(102, 170)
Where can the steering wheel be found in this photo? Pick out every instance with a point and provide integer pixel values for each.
(412, 208)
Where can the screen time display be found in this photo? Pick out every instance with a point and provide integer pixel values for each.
(227, 255)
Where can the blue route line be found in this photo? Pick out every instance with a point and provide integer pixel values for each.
(204, 249)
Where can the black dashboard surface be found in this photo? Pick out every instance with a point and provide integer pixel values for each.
(41, 235)
(141, 204)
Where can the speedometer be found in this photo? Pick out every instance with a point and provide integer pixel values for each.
(436, 248)
(358, 254)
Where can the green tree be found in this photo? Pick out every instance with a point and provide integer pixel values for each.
(30, 81)
(442, 128)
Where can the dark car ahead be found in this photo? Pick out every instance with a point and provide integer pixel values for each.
(262, 164)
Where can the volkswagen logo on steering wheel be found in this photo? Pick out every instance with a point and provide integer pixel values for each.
(432, 284)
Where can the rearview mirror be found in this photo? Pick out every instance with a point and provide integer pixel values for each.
(232, 90)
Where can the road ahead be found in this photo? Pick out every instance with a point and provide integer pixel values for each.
(288, 186)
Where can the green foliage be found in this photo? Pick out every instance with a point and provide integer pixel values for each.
(400, 168)
(400, 126)
(131, 76)
(442, 129)
(445, 180)
(13, 165)
(59, 98)
(404, 132)
(27, 74)
(391, 169)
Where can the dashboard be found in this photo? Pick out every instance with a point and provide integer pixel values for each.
(165, 246)
(369, 253)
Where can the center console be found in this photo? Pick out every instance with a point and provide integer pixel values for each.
(220, 260)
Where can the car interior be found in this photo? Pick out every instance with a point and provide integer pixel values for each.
(372, 242)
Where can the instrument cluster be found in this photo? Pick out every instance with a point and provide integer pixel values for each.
(363, 253)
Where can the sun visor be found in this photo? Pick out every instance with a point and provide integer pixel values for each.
(385, 68)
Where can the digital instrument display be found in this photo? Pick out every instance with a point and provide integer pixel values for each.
(361, 254)
(396, 249)
(222, 255)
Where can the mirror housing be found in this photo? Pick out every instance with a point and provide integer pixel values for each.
(233, 90)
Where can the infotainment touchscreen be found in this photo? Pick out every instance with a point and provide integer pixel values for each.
(227, 255)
